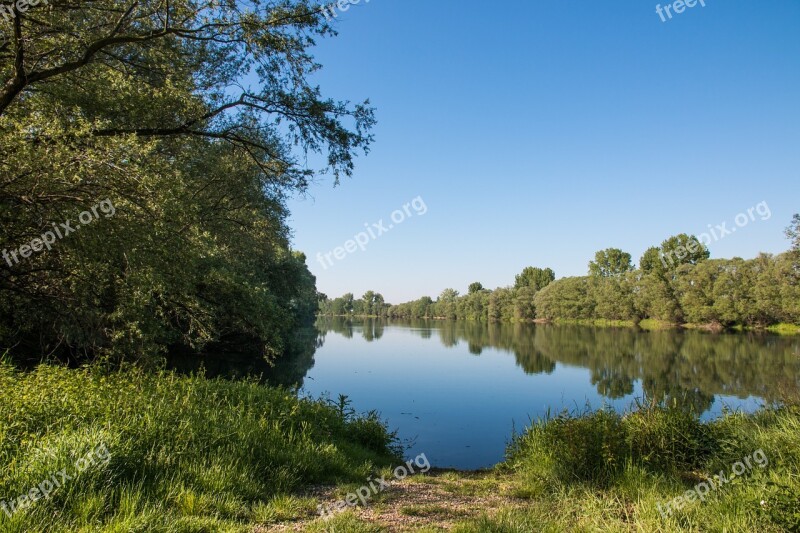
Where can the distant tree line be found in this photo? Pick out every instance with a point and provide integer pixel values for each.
(675, 282)
(369, 305)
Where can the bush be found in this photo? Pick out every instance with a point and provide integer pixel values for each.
(595, 447)
(668, 440)
(589, 448)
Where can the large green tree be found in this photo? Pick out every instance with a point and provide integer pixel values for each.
(535, 278)
(675, 251)
(196, 121)
(611, 262)
(566, 298)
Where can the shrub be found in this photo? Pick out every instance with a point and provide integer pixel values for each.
(589, 448)
(668, 440)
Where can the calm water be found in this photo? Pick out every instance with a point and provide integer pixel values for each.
(457, 390)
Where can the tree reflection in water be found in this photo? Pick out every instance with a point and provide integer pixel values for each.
(684, 368)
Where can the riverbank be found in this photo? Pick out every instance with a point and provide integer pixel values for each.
(657, 470)
(194, 454)
(645, 325)
(179, 454)
(658, 325)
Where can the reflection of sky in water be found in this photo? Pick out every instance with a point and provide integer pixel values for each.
(458, 408)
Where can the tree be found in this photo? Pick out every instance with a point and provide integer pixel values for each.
(651, 260)
(695, 291)
(348, 303)
(565, 298)
(501, 305)
(536, 278)
(655, 295)
(611, 262)
(682, 250)
(613, 297)
(677, 286)
(448, 295)
(379, 305)
(793, 233)
(524, 304)
(143, 105)
(447, 304)
(368, 302)
(474, 305)
(423, 307)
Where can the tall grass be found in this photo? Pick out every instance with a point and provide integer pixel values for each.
(605, 471)
(187, 453)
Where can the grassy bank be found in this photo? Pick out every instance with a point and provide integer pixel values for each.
(603, 472)
(645, 325)
(785, 329)
(598, 323)
(658, 325)
(196, 455)
(184, 454)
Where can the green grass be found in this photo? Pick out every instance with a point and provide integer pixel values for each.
(650, 324)
(187, 454)
(785, 329)
(596, 322)
(602, 471)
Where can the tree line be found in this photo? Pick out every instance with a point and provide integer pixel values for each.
(676, 282)
(370, 304)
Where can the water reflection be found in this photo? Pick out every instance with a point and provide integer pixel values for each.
(230, 362)
(458, 390)
(686, 368)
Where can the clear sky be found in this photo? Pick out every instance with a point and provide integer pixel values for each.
(537, 133)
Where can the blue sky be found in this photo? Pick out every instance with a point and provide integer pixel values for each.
(537, 133)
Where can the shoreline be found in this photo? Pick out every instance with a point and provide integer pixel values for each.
(553, 477)
(783, 329)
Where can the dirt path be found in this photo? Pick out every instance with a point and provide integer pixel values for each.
(437, 500)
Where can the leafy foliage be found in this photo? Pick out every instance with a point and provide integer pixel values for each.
(535, 278)
(793, 233)
(197, 121)
(611, 262)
